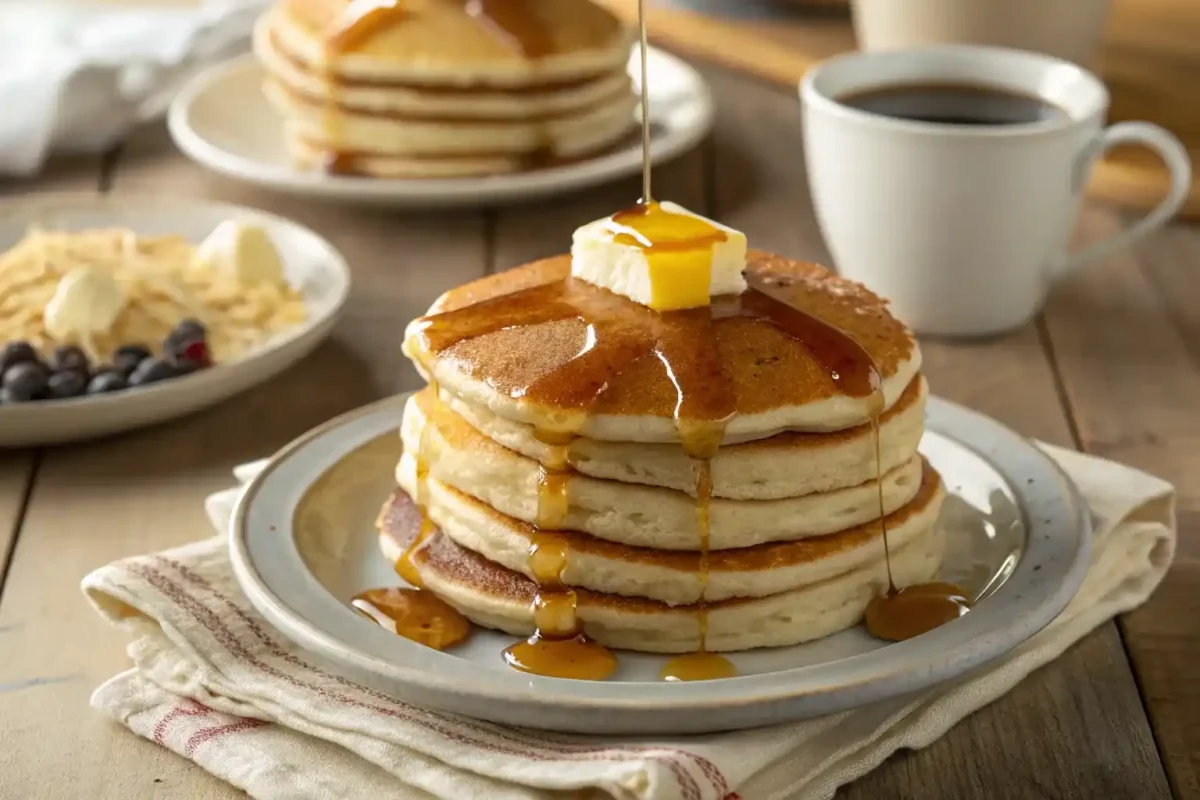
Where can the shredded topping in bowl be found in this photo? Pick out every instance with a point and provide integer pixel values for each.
(104, 288)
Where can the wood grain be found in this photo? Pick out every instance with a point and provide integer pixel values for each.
(144, 491)
(1150, 62)
(16, 471)
(17, 467)
(1076, 728)
(1124, 337)
(765, 49)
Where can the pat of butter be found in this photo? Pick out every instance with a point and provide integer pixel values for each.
(242, 252)
(664, 257)
(86, 301)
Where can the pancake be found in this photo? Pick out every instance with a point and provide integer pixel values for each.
(439, 43)
(444, 88)
(785, 465)
(495, 597)
(517, 343)
(642, 516)
(427, 100)
(675, 577)
(366, 132)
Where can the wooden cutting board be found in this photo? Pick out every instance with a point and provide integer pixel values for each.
(1151, 63)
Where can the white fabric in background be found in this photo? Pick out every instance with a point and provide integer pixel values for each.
(75, 77)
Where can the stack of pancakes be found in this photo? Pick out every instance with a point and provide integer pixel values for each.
(440, 88)
(794, 548)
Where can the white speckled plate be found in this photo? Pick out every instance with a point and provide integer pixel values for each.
(311, 265)
(222, 120)
(1020, 539)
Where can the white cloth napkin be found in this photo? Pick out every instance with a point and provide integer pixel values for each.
(75, 77)
(213, 682)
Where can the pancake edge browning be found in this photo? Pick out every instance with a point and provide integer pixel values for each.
(495, 597)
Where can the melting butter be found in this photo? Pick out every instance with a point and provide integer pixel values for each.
(661, 255)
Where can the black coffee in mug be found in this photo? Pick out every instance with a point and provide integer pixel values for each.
(953, 104)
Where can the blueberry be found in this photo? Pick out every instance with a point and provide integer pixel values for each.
(185, 366)
(105, 382)
(7, 398)
(68, 383)
(152, 370)
(127, 357)
(16, 353)
(69, 358)
(26, 380)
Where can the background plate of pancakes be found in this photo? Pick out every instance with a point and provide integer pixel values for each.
(305, 540)
(225, 121)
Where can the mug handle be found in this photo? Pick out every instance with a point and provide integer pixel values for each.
(1173, 154)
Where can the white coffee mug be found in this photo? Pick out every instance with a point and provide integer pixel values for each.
(1070, 29)
(964, 227)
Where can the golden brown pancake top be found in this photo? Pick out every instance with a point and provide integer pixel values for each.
(445, 32)
(765, 368)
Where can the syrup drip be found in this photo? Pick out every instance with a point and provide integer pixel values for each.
(701, 665)
(339, 162)
(657, 231)
(647, 195)
(513, 22)
(904, 613)
(698, 666)
(898, 613)
(558, 648)
(577, 657)
(554, 476)
(414, 614)
(404, 565)
(360, 21)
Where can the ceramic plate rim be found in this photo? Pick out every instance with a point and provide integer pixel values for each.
(69, 201)
(437, 191)
(908, 666)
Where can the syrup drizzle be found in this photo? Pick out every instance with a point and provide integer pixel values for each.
(413, 612)
(647, 195)
(360, 21)
(656, 231)
(558, 647)
(685, 343)
(513, 22)
(405, 567)
(894, 615)
(904, 613)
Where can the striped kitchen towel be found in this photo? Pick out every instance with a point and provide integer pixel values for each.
(216, 684)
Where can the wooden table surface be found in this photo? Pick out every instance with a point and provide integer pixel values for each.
(1110, 367)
